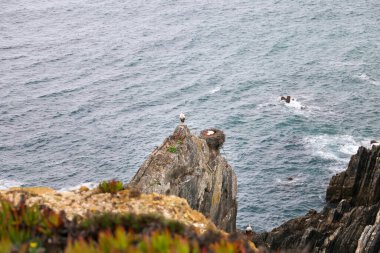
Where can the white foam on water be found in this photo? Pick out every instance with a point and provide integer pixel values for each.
(295, 104)
(216, 89)
(337, 149)
(363, 77)
(366, 78)
(332, 147)
(266, 104)
(293, 181)
(6, 184)
(346, 63)
(90, 185)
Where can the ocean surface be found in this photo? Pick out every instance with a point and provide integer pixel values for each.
(88, 88)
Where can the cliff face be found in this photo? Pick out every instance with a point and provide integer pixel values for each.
(360, 183)
(351, 220)
(192, 168)
(84, 204)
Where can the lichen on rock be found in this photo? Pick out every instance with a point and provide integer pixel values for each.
(196, 172)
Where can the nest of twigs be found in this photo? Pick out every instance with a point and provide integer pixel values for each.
(215, 138)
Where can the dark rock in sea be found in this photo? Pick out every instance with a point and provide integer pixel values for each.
(351, 220)
(191, 167)
(286, 99)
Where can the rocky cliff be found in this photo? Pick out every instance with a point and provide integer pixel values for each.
(350, 222)
(87, 203)
(191, 167)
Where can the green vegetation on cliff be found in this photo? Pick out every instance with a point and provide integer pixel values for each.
(111, 186)
(40, 229)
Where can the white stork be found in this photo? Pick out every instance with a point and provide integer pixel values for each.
(182, 117)
(248, 230)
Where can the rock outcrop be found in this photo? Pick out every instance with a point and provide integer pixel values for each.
(351, 220)
(85, 203)
(191, 167)
(360, 183)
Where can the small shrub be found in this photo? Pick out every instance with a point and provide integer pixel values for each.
(112, 186)
(26, 227)
(172, 149)
(121, 241)
(40, 229)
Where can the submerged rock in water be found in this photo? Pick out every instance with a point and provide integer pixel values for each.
(191, 167)
(351, 220)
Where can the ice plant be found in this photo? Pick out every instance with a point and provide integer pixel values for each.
(111, 186)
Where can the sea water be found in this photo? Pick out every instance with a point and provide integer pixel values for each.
(88, 88)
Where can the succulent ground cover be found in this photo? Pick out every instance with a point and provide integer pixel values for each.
(108, 219)
(111, 186)
(38, 228)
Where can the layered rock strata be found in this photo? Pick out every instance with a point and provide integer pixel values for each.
(351, 220)
(191, 167)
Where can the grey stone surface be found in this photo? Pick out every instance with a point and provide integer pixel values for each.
(185, 166)
(350, 222)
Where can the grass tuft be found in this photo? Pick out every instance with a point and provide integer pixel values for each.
(111, 186)
(172, 149)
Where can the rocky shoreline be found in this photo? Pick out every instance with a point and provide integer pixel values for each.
(350, 221)
(187, 180)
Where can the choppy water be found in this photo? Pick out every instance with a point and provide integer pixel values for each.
(88, 88)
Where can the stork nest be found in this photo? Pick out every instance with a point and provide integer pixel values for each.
(215, 138)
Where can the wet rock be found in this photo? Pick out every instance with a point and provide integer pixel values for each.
(191, 167)
(360, 183)
(343, 206)
(350, 222)
(286, 99)
(369, 240)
